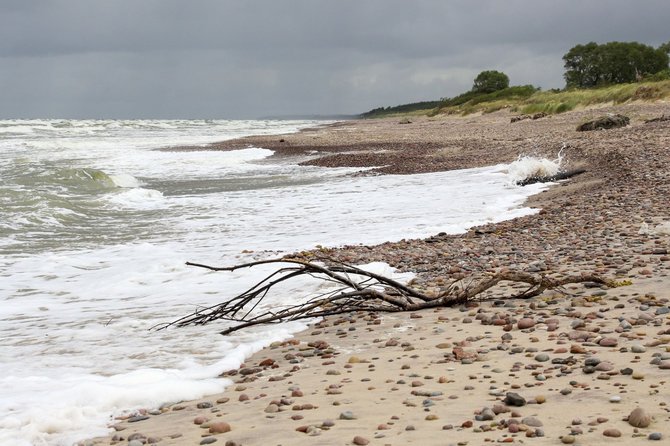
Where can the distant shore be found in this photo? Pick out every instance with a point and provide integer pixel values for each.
(578, 362)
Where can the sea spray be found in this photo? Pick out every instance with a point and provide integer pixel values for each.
(531, 167)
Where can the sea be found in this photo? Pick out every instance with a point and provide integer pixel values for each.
(97, 222)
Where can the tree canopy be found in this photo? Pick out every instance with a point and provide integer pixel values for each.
(591, 65)
(490, 81)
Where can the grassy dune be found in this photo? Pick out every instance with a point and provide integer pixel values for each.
(528, 100)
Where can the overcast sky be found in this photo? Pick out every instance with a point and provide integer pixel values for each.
(252, 58)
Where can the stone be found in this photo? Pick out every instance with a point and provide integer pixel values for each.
(531, 421)
(611, 432)
(208, 440)
(347, 415)
(219, 427)
(361, 441)
(524, 323)
(637, 348)
(655, 436)
(639, 418)
(542, 357)
(608, 342)
(514, 399)
(567, 439)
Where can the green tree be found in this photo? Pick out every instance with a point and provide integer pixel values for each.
(490, 81)
(591, 65)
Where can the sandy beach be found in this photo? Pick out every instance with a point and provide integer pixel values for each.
(566, 367)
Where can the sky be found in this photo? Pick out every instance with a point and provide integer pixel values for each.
(228, 59)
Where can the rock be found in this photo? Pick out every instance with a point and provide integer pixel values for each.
(608, 342)
(637, 348)
(347, 415)
(135, 443)
(639, 418)
(567, 439)
(272, 408)
(219, 427)
(208, 440)
(655, 436)
(525, 323)
(514, 399)
(487, 414)
(604, 123)
(532, 422)
(358, 440)
(611, 432)
(542, 357)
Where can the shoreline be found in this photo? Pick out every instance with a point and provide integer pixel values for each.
(589, 224)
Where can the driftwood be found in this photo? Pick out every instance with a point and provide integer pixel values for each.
(559, 176)
(356, 290)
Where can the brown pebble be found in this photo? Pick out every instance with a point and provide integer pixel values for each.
(219, 427)
(639, 418)
(614, 433)
(361, 441)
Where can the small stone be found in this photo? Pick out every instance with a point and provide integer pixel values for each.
(532, 422)
(611, 432)
(615, 399)
(655, 436)
(361, 441)
(199, 420)
(135, 443)
(514, 399)
(347, 415)
(272, 408)
(638, 375)
(487, 414)
(208, 440)
(219, 427)
(542, 357)
(567, 439)
(639, 418)
(608, 342)
(637, 348)
(525, 323)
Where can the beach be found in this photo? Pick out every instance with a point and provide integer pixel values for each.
(566, 367)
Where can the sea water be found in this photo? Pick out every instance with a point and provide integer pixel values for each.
(96, 225)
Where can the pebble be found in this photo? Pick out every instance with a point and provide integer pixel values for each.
(208, 440)
(219, 427)
(361, 441)
(514, 399)
(655, 436)
(639, 418)
(532, 422)
(637, 348)
(542, 357)
(611, 432)
(567, 439)
(525, 323)
(347, 415)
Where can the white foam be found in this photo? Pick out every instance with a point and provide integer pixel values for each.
(138, 198)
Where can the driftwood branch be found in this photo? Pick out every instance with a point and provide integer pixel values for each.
(355, 290)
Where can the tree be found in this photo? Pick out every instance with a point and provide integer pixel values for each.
(592, 65)
(490, 81)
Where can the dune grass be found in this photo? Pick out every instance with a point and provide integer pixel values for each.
(552, 102)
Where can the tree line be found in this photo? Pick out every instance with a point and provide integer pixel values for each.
(593, 65)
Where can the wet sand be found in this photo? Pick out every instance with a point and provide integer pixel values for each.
(565, 367)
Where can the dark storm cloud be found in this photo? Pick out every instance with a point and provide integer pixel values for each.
(218, 58)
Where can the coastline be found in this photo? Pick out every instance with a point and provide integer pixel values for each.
(411, 390)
